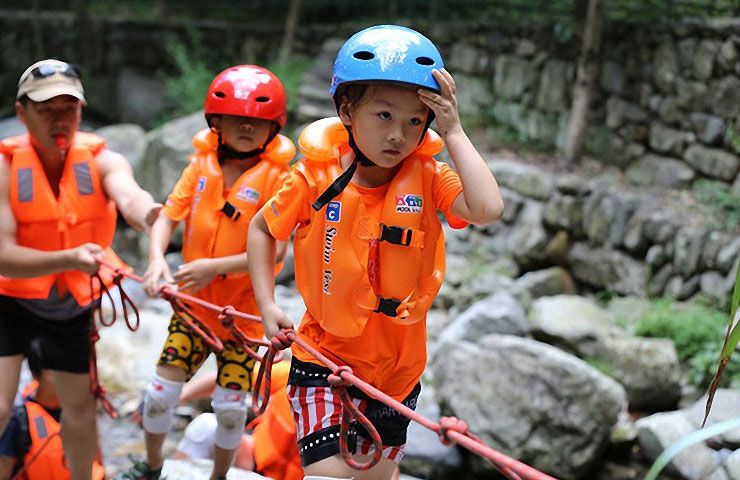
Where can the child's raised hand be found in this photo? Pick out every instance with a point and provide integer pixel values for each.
(444, 103)
(195, 275)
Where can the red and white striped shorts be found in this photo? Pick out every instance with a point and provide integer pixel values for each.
(318, 412)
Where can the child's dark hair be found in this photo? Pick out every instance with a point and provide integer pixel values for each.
(351, 93)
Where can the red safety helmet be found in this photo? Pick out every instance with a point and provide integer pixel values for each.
(249, 91)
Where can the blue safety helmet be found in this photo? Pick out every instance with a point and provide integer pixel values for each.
(387, 53)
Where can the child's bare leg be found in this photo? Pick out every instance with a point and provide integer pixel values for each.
(336, 467)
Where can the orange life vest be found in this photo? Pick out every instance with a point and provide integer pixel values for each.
(350, 265)
(82, 213)
(50, 463)
(217, 227)
(275, 445)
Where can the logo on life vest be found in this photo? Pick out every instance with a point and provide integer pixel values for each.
(328, 240)
(248, 194)
(201, 183)
(333, 211)
(408, 203)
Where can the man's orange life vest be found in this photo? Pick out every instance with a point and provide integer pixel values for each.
(217, 226)
(275, 446)
(50, 463)
(82, 213)
(350, 265)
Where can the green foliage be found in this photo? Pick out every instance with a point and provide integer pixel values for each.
(698, 333)
(291, 74)
(187, 86)
(601, 364)
(720, 200)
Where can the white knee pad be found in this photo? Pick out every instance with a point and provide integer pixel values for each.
(231, 413)
(160, 400)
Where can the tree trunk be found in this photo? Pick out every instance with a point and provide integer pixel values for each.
(587, 69)
(286, 46)
(36, 28)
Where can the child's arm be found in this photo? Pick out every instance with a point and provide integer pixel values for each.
(195, 275)
(480, 201)
(261, 270)
(158, 241)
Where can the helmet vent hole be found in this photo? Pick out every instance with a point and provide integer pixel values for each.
(424, 61)
(220, 94)
(364, 55)
(262, 99)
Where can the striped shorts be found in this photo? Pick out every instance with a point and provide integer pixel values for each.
(318, 412)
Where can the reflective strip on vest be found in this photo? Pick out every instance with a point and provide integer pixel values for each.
(84, 178)
(25, 185)
(40, 427)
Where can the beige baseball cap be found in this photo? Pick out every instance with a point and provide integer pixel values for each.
(49, 78)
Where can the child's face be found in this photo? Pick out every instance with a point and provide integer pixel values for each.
(387, 123)
(243, 134)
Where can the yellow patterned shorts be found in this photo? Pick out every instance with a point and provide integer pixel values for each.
(185, 350)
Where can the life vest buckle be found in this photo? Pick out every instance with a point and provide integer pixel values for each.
(387, 306)
(395, 235)
(231, 211)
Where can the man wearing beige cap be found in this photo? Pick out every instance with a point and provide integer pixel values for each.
(59, 189)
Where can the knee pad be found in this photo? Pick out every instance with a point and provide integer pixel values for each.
(231, 414)
(160, 400)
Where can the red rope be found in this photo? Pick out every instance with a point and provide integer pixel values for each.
(449, 429)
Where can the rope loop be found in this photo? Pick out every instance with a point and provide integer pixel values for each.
(282, 339)
(265, 372)
(226, 318)
(97, 300)
(186, 315)
(350, 414)
(126, 300)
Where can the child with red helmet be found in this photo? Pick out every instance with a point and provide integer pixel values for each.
(240, 162)
(369, 247)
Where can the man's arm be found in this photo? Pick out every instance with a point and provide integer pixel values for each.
(23, 262)
(136, 205)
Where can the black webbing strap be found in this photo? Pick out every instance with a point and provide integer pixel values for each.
(335, 188)
(231, 211)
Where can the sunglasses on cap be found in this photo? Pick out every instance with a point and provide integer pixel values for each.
(67, 69)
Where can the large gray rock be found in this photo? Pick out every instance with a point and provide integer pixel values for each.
(647, 368)
(571, 323)
(658, 170)
(141, 98)
(665, 72)
(528, 180)
(607, 268)
(555, 81)
(128, 139)
(725, 96)
(424, 455)
(658, 431)
(725, 406)
(548, 282)
(10, 127)
(539, 405)
(513, 76)
(713, 162)
(168, 149)
(499, 313)
(474, 94)
(664, 139)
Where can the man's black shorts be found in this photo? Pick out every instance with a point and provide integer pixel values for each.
(64, 343)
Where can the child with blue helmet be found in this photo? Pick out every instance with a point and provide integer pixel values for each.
(369, 248)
